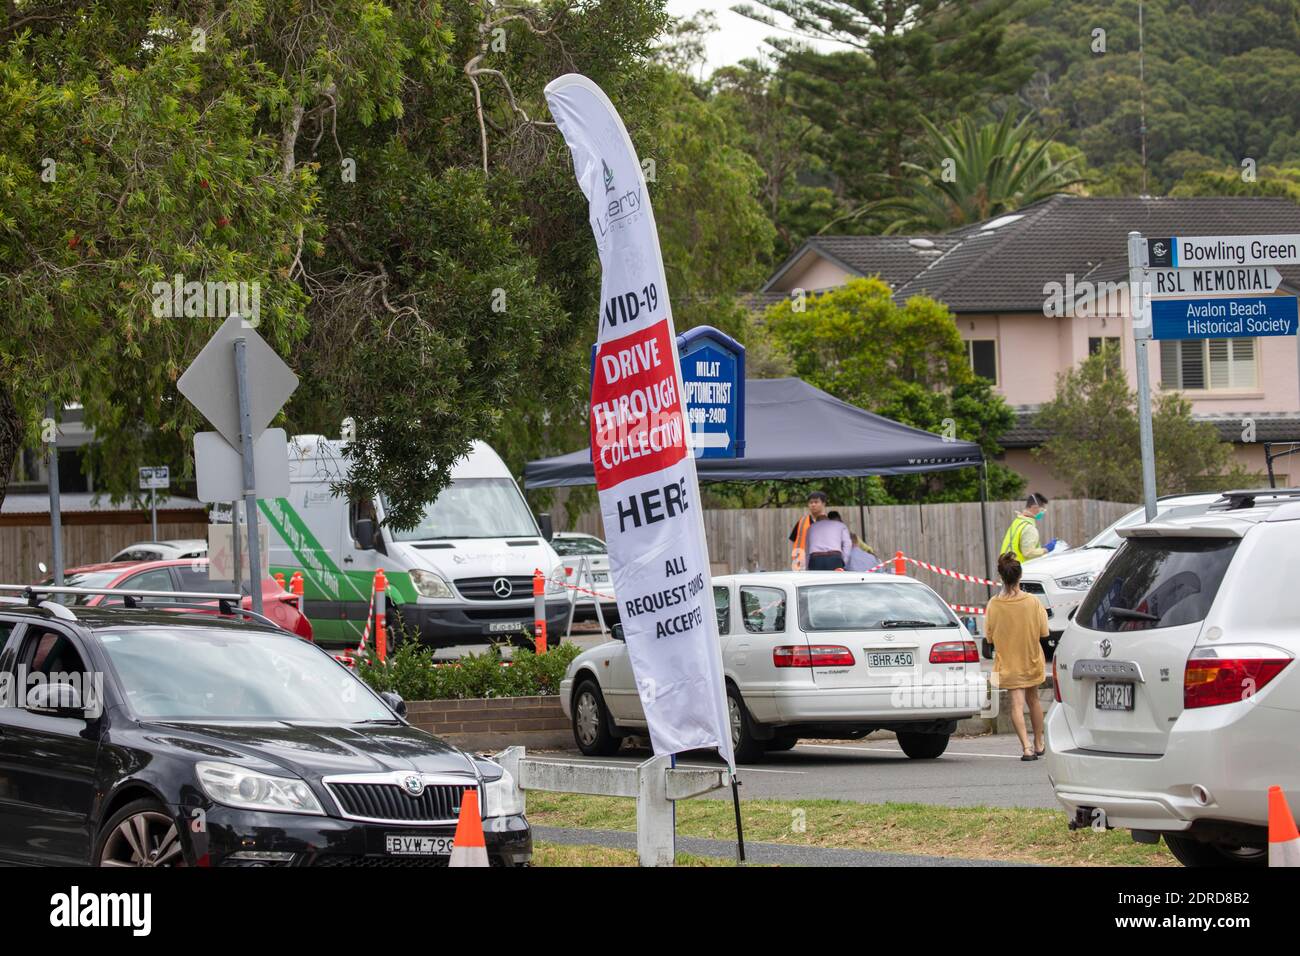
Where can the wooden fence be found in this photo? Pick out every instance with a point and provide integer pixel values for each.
(24, 547)
(948, 535)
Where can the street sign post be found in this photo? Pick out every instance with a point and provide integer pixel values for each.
(153, 477)
(1139, 311)
(262, 384)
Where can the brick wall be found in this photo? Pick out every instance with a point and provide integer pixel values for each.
(494, 722)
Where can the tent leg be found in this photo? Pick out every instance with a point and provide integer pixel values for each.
(984, 521)
(862, 511)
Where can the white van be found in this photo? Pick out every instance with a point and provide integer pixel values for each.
(462, 577)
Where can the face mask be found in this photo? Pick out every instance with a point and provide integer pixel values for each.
(1040, 516)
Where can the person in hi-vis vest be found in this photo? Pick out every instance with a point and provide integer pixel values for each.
(1022, 538)
(799, 533)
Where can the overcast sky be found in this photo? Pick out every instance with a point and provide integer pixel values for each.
(737, 37)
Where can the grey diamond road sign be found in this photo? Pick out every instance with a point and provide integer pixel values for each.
(209, 382)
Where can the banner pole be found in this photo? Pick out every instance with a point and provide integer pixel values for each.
(740, 829)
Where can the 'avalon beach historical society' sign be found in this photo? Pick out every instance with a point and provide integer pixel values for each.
(1223, 318)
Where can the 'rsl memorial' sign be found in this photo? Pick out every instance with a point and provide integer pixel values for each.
(641, 450)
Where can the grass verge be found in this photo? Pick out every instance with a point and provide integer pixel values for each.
(987, 833)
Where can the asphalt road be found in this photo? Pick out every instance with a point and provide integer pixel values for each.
(975, 771)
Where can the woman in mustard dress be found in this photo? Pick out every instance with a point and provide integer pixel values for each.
(1015, 623)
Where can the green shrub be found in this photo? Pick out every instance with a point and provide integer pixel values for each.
(412, 672)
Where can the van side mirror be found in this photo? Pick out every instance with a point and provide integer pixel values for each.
(547, 526)
(364, 532)
(616, 631)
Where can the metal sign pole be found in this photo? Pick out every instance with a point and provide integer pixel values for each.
(153, 512)
(56, 518)
(237, 576)
(250, 479)
(1139, 314)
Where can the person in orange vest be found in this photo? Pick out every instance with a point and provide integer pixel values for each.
(816, 542)
(799, 533)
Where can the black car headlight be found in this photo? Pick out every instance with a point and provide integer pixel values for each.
(236, 787)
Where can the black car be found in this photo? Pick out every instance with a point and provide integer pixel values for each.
(133, 737)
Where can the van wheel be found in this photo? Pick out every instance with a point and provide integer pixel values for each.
(1192, 852)
(591, 722)
(746, 747)
(922, 746)
(780, 742)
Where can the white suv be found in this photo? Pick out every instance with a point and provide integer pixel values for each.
(1179, 695)
(807, 654)
(1061, 579)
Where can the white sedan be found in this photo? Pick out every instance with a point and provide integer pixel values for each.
(830, 655)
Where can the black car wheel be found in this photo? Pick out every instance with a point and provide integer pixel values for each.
(591, 722)
(747, 748)
(1190, 851)
(142, 833)
(780, 742)
(923, 746)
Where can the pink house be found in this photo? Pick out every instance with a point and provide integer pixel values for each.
(1035, 292)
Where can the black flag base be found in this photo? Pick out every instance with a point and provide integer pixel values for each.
(740, 828)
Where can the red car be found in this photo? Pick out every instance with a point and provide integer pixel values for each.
(189, 574)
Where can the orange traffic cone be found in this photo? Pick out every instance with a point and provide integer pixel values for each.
(469, 848)
(1283, 840)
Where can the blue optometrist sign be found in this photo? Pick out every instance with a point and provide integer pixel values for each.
(713, 376)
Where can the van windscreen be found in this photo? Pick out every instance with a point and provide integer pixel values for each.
(474, 508)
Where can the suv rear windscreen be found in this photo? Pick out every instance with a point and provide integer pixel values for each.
(1158, 582)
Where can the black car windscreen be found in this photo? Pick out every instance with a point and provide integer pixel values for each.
(226, 674)
(1157, 582)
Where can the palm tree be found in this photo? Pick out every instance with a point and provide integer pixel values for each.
(975, 172)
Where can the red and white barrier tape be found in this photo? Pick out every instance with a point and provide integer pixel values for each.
(967, 609)
(952, 574)
(603, 597)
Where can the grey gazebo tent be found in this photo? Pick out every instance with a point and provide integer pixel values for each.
(795, 431)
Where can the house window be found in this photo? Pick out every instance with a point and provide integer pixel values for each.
(1108, 342)
(983, 357)
(1208, 364)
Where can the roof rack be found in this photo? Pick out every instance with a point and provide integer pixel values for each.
(1245, 497)
(228, 605)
